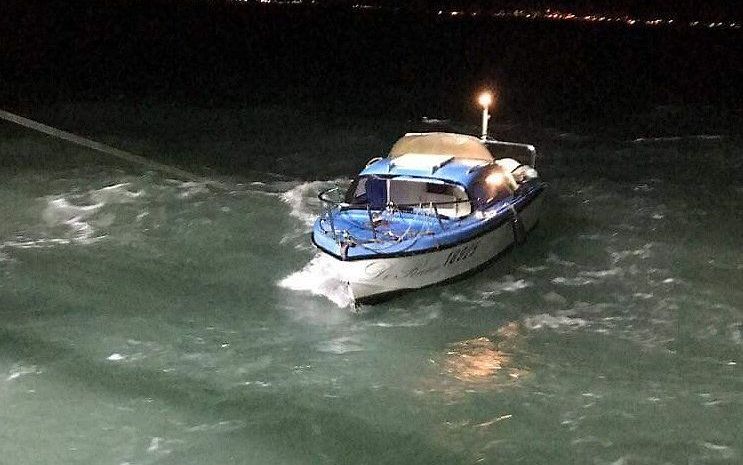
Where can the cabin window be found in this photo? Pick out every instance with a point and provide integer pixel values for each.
(357, 191)
(450, 200)
(376, 192)
(440, 189)
(368, 190)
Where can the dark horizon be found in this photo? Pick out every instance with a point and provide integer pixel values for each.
(717, 10)
(343, 60)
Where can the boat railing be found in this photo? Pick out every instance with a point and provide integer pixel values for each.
(333, 203)
(428, 210)
(531, 150)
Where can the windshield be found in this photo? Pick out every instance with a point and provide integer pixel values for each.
(450, 199)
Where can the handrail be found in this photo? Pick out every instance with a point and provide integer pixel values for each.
(529, 147)
(323, 198)
(344, 236)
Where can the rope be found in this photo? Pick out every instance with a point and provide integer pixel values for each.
(103, 148)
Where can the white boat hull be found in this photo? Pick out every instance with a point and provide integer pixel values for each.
(374, 277)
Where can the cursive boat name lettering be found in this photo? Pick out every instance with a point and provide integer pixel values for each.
(386, 273)
(462, 253)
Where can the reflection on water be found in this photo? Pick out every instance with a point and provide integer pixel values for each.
(470, 371)
(485, 361)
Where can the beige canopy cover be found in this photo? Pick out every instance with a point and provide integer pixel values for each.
(441, 143)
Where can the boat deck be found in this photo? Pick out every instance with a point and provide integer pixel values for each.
(402, 233)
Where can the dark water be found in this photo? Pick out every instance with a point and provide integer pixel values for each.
(147, 320)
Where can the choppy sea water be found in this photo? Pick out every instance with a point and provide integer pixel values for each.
(147, 320)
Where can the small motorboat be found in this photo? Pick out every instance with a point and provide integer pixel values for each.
(439, 205)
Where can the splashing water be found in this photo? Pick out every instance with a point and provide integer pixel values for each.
(303, 201)
(320, 277)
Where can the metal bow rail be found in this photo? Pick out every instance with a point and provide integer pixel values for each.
(428, 211)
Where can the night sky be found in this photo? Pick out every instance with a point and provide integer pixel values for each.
(410, 63)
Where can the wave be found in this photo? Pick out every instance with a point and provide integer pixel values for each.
(652, 140)
(84, 217)
(546, 320)
(303, 202)
(341, 345)
(601, 273)
(19, 370)
(577, 281)
(319, 277)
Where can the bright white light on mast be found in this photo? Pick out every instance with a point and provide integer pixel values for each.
(485, 100)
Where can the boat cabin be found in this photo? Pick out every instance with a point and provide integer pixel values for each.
(454, 174)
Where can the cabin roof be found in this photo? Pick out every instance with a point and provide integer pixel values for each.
(444, 156)
(455, 170)
(441, 143)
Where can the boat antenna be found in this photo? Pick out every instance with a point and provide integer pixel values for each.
(485, 100)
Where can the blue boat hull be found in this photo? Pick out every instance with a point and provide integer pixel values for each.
(374, 276)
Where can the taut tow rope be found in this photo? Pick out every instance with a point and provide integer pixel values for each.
(103, 148)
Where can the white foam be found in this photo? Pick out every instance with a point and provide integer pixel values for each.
(553, 322)
(403, 324)
(257, 383)
(601, 273)
(724, 452)
(578, 281)
(553, 258)
(224, 426)
(513, 285)
(643, 253)
(75, 217)
(154, 444)
(60, 211)
(19, 370)
(532, 269)
(303, 202)
(117, 193)
(339, 346)
(191, 188)
(35, 243)
(507, 285)
(320, 277)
